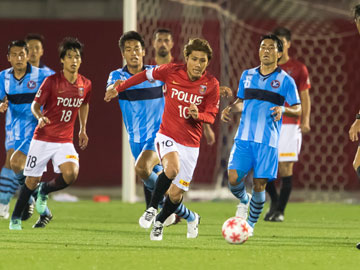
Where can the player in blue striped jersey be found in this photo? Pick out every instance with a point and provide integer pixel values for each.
(142, 107)
(18, 87)
(261, 96)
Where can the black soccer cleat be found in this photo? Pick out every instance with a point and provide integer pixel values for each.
(28, 211)
(358, 245)
(43, 221)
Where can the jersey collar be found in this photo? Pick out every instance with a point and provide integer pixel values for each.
(125, 68)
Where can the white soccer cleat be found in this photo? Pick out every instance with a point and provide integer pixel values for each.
(193, 227)
(170, 220)
(147, 218)
(156, 233)
(251, 230)
(4, 211)
(242, 209)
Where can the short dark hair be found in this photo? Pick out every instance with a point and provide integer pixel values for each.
(130, 35)
(357, 11)
(198, 44)
(162, 31)
(278, 41)
(18, 43)
(33, 36)
(70, 43)
(283, 32)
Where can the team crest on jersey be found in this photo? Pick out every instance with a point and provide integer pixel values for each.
(202, 89)
(81, 91)
(275, 84)
(31, 84)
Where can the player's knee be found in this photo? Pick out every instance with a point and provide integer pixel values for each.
(260, 185)
(142, 171)
(233, 177)
(16, 165)
(171, 171)
(32, 182)
(70, 176)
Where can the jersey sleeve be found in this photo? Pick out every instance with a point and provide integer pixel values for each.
(113, 77)
(241, 88)
(159, 73)
(88, 93)
(212, 104)
(44, 91)
(292, 95)
(2, 87)
(304, 80)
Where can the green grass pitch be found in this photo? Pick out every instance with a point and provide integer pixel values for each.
(88, 235)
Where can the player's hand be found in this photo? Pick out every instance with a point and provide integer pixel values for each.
(305, 127)
(193, 111)
(43, 121)
(4, 105)
(277, 113)
(83, 140)
(354, 131)
(225, 91)
(225, 114)
(110, 94)
(209, 134)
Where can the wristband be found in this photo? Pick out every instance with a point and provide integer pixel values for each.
(283, 109)
(358, 116)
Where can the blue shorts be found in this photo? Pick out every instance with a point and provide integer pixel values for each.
(21, 145)
(247, 155)
(138, 148)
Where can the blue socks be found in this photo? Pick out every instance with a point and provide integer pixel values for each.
(151, 181)
(8, 185)
(256, 206)
(239, 192)
(185, 213)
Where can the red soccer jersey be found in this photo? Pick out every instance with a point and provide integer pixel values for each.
(61, 101)
(300, 74)
(179, 93)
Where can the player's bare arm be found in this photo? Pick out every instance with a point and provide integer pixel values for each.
(278, 111)
(225, 91)
(4, 105)
(83, 116)
(355, 130)
(237, 106)
(36, 111)
(305, 111)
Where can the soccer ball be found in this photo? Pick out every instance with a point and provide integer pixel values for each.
(235, 230)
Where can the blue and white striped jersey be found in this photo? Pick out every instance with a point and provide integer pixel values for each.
(20, 122)
(260, 93)
(142, 106)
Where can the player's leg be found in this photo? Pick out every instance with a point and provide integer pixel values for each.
(285, 173)
(240, 163)
(8, 185)
(265, 169)
(356, 163)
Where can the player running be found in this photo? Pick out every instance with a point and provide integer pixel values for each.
(191, 98)
(62, 95)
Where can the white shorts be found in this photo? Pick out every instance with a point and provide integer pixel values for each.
(41, 152)
(289, 143)
(188, 159)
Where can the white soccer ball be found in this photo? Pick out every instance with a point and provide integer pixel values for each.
(235, 230)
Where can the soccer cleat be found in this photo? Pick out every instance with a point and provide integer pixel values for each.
(15, 224)
(358, 245)
(242, 208)
(251, 230)
(156, 233)
(43, 221)
(41, 201)
(147, 218)
(269, 214)
(170, 220)
(278, 217)
(4, 211)
(28, 211)
(193, 227)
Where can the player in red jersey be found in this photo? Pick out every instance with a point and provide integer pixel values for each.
(191, 99)
(292, 127)
(62, 96)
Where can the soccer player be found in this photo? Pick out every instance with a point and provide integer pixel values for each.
(18, 86)
(35, 43)
(354, 131)
(62, 96)
(142, 128)
(261, 96)
(292, 127)
(163, 43)
(191, 98)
